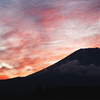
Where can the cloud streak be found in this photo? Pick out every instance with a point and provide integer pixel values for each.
(77, 68)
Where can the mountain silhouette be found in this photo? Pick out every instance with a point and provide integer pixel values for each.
(84, 56)
(87, 56)
(81, 68)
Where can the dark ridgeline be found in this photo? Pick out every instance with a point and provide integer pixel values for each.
(60, 80)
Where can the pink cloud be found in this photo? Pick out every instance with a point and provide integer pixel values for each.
(37, 34)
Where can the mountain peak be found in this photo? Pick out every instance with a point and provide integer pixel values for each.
(85, 56)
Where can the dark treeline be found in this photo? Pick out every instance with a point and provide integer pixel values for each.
(66, 92)
(57, 92)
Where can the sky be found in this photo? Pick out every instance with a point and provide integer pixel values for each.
(35, 34)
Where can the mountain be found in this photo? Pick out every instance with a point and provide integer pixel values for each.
(85, 60)
(84, 56)
(81, 68)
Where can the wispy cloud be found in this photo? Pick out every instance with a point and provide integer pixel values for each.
(45, 31)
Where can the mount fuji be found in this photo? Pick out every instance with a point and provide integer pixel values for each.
(80, 69)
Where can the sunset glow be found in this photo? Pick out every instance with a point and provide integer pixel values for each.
(35, 34)
(3, 77)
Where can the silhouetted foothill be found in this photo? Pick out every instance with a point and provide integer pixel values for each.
(39, 91)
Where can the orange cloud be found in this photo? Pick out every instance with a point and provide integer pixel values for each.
(3, 77)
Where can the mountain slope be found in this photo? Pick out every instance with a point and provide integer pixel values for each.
(78, 69)
(84, 56)
(89, 57)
